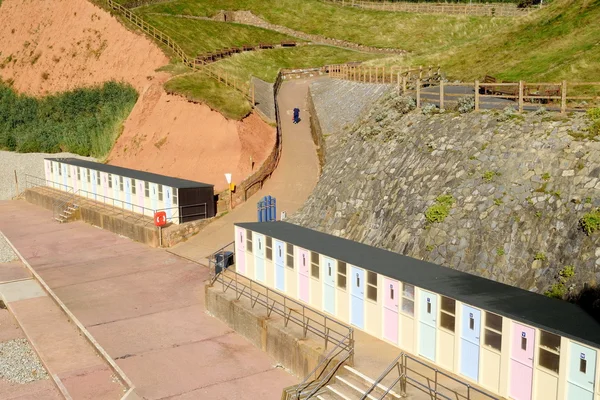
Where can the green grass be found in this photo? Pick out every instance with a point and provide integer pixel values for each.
(413, 32)
(84, 121)
(265, 64)
(199, 87)
(198, 36)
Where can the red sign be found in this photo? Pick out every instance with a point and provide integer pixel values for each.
(160, 218)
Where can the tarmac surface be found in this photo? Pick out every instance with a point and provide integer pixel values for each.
(145, 307)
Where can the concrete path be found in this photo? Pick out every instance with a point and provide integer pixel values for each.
(291, 183)
(69, 358)
(145, 307)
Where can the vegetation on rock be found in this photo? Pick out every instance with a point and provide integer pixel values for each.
(440, 210)
(590, 222)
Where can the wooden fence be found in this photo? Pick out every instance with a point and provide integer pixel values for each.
(191, 62)
(561, 96)
(492, 10)
(400, 76)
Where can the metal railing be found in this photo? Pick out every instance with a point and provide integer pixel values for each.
(310, 320)
(127, 211)
(431, 386)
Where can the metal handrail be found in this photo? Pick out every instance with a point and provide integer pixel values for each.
(323, 329)
(382, 377)
(329, 376)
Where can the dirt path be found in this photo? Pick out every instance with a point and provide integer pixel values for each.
(52, 46)
(291, 183)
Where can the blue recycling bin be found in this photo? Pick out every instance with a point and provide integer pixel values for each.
(223, 260)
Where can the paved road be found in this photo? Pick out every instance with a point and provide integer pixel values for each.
(291, 183)
(146, 309)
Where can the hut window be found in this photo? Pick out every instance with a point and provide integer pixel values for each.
(447, 313)
(146, 189)
(87, 173)
(408, 299)
(269, 248)
(175, 196)
(493, 331)
(290, 255)
(549, 351)
(341, 275)
(78, 173)
(314, 264)
(133, 189)
(160, 192)
(582, 365)
(121, 183)
(371, 286)
(110, 181)
(248, 241)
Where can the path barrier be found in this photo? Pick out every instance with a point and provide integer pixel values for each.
(478, 9)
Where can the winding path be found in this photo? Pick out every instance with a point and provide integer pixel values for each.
(291, 183)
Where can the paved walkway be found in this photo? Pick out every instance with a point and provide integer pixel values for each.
(291, 183)
(145, 307)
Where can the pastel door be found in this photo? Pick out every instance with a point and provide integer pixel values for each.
(470, 341)
(303, 282)
(357, 297)
(154, 195)
(168, 201)
(74, 178)
(390, 310)
(582, 372)
(428, 310)
(259, 261)
(240, 248)
(64, 176)
(128, 194)
(329, 285)
(279, 270)
(521, 362)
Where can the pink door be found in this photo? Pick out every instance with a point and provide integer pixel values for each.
(240, 250)
(390, 310)
(521, 362)
(303, 271)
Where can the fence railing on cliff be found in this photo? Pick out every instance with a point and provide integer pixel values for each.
(553, 96)
(395, 75)
(492, 10)
(191, 62)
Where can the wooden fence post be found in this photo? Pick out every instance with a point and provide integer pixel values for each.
(476, 95)
(563, 97)
(403, 84)
(418, 94)
(430, 72)
(383, 74)
(398, 83)
(370, 74)
(420, 72)
(441, 95)
(520, 96)
(376, 74)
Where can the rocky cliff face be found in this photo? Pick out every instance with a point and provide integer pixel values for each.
(518, 185)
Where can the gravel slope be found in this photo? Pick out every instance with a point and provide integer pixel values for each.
(6, 252)
(23, 163)
(19, 363)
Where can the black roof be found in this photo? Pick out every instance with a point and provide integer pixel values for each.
(556, 316)
(133, 173)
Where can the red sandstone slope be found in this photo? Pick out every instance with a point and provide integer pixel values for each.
(49, 46)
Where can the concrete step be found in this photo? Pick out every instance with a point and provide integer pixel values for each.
(343, 392)
(356, 386)
(328, 396)
(363, 381)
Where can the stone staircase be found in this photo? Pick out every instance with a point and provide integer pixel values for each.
(68, 213)
(349, 384)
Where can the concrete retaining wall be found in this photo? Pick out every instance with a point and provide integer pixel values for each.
(299, 356)
(316, 131)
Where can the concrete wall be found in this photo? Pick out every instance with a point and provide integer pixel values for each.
(268, 334)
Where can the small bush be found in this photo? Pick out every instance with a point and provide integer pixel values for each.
(466, 104)
(541, 111)
(590, 222)
(489, 176)
(508, 113)
(546, 176)
(440, 210)
(429, 109)
(403, 104)
(558, 290)
(540, 256)
(500, 251)
(593, 113)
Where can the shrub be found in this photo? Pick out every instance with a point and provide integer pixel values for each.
(540, 256)
(83, 121)
(429, 109)
(546, 176)
(490, 175)
(440, 210)
(558, 290)
(500, 251)
(466, 104)
(593, 113)
(540, 111)
(590, 222)
(403, 104)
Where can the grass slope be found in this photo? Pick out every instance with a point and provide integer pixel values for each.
(559, 42)
(418, 33)
(201, 36)
(199, 87)
(83, 121)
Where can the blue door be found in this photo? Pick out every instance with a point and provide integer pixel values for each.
(357, 291)
(128, 194)
(328, 268)
(279, 270)
(469, 342)
(427, 324)
(582, 372)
